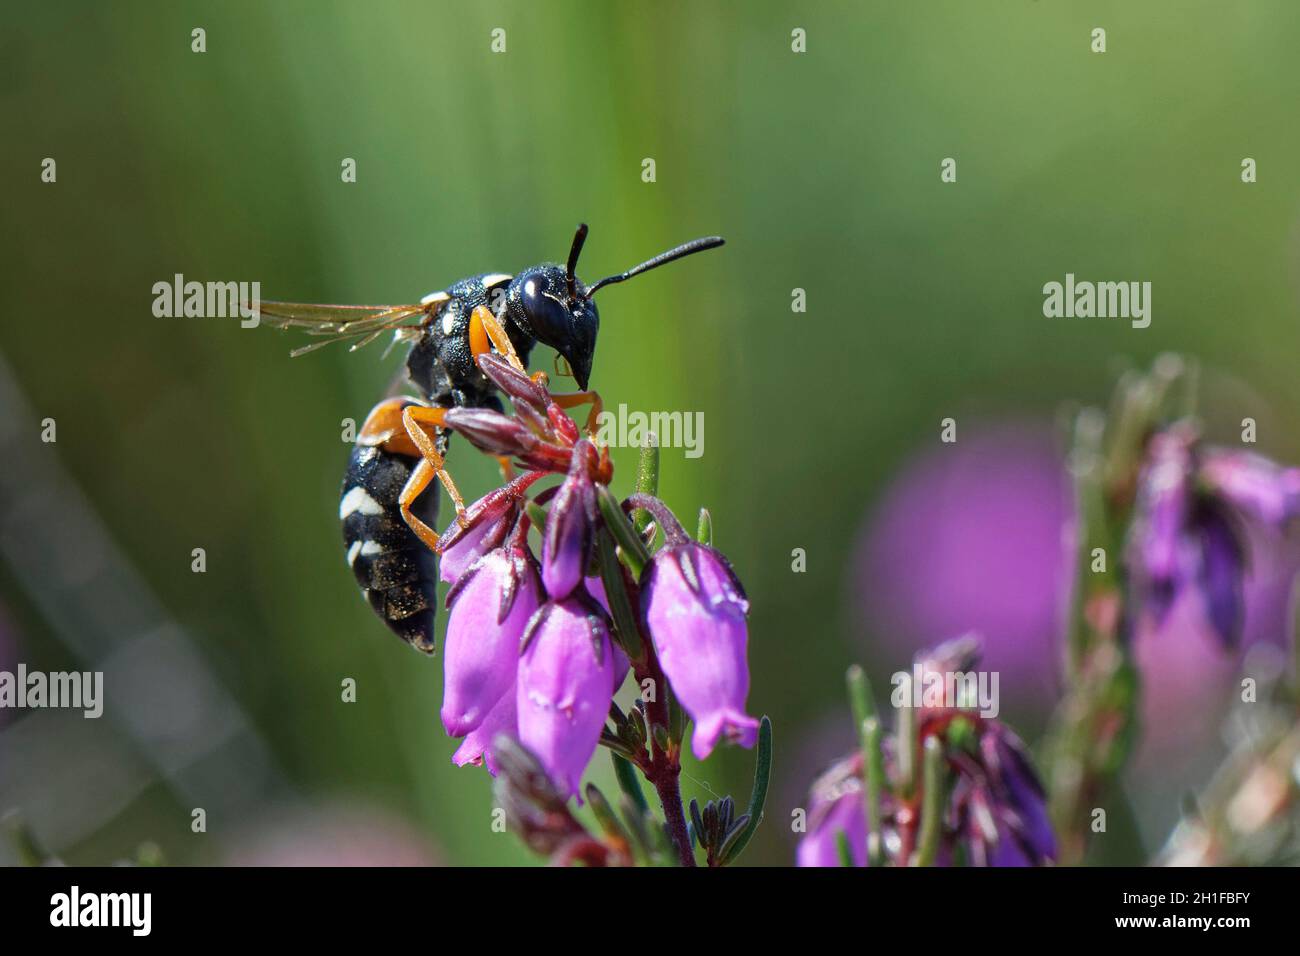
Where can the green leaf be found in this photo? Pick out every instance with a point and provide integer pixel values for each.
(697, 824)
(757, 798)
(704, 530)
(933, 796)
(647, 478)
(843, 849)
(860, 698)
(628, 782)
(626, 630)
(873, 768)
(536, 514)
(629, 542)
(643, 844)
(729, 843)
(616, 745)
(605, 816)
(678, 721)
(906, 737)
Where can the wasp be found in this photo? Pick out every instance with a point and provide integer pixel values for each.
(401, 447)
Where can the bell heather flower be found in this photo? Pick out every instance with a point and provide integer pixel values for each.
(1220, 572)
(570, 526)
(479, 746)
(535, 706)
(1000, 805)
(696, 608)
(482, 527)
(566, 678)
(1184, 537)
(1259, 488)
(836, 806)
(992, 809)
(491, 605)
(1160, 550)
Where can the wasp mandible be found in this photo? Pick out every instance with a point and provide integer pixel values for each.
(401, 447)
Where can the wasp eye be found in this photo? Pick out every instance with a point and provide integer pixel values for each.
(547, 315)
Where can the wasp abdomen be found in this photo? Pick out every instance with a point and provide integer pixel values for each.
(397, 573)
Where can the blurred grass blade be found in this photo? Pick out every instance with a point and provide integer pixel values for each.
(873, 768)
(932, 799)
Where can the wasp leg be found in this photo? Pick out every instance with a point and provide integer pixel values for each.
(421, 477)
(418, 420)
(383, 427)
(485, 331)
(386, 427)
(507, 469)
(574, 399)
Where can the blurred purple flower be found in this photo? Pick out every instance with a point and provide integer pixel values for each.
(1182, 539)
(996, 809)
(996, 813)
(696, 608)
(1001, 805)
(1161, 553)
(566, 678)
(970, 538)
(836, 806)
(1184, 663)
(1259, 488)
(1198, 513)
(491, 605)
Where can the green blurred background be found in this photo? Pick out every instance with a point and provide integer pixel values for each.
(820, 169)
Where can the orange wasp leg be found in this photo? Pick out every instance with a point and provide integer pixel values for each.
(418, 421)
(574, 399)
(385, 427)
(485, 331)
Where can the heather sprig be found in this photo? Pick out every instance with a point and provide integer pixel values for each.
(1161, 517)
(947, 786)
(538, 643)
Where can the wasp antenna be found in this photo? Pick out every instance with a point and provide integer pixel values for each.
(575, 250)
(685, 249)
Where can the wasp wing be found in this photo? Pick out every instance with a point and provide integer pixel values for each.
(337, 323)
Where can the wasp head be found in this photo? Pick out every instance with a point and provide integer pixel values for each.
(553, 307)
(551, 304)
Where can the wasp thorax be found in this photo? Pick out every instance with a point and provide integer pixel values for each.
(540, 303)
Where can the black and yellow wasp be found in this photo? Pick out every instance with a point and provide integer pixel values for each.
(400, 449)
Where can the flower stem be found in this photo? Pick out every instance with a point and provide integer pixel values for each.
(673, 531)
(660, 762)
(664, 767)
